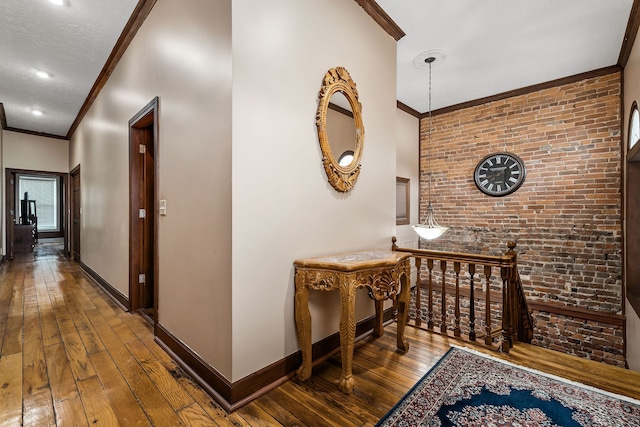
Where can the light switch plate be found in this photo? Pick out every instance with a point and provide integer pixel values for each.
(163, 207)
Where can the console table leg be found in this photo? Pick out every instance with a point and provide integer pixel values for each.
(378, 328)
(303, 329)
(403, 311)
(347, 333)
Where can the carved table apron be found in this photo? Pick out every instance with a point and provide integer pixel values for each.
(384, 273)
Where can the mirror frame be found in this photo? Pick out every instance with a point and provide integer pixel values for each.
(342, 178)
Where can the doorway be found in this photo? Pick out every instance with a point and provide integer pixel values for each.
(38, 213)
(143, 230)
(76, 210)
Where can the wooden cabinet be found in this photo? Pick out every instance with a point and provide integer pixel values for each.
(23, 238)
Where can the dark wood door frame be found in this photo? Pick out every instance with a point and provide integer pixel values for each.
(74, 215)
(143, 232)
(10, 193)
(9, 211)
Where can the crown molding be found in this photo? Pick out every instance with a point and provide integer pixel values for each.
(380, 16)
(140, 13)
(32, 132)
(630, 34)
(526, 90)
(408, 110)
(3, 124)
(3, 117)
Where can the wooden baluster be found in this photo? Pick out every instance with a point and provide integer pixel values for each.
(418, 293)
(456, 269)
(513, 295)
(430, 307)
(443, 299)
(505, 344)
(515, 310)
(472, 303)
(487, 321)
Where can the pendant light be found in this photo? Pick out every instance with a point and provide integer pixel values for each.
(429, 229)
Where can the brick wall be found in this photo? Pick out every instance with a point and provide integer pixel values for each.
(566, 217)
(589, 339)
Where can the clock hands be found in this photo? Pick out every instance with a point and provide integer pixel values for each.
(499, 174)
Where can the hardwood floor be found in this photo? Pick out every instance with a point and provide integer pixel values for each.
(70, 356)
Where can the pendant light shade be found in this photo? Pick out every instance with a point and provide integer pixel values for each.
(429, 229)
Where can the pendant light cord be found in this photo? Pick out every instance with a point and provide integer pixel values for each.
(429, 61)
(429, 229)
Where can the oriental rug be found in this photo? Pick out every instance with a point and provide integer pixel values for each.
(466, 388)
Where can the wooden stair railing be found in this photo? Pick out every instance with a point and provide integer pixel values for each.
(489, 285)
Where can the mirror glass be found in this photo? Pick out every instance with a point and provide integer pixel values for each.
(340, 129)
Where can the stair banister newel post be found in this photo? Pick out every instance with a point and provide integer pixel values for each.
(506, 344)
(430, 308)
(443, 298)
(514, 314)
(456, 329)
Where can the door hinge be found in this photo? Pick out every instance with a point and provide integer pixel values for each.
(141, 279)
(142, 149)
(142, 213)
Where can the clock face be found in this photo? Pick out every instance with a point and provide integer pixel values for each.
(499, 174)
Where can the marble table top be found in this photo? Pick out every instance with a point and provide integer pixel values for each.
(353, 261)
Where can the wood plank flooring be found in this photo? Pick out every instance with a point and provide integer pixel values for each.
(70, 356)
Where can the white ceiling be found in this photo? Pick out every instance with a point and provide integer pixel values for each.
(494, 46)
(71, 42)
(491, 46)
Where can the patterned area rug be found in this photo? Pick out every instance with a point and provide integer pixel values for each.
(470, 389)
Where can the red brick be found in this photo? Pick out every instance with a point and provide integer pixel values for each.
(564, 218)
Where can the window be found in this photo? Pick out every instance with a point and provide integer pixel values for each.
(44, 190)
(402, 201)
(634, 125)
(346, 158)
(632, 233)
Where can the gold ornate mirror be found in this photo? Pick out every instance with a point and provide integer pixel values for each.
(339, 94)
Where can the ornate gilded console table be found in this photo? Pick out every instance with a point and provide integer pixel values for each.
(384, 273)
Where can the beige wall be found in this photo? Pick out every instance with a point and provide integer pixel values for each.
(407, 163)
(3, 242)
(283, 207)
(31, 152)
(24, 151)
(633, 338)
(182, 54)
(631, 92)
(226, 275)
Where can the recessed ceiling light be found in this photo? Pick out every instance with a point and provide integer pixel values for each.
(37, 112)
(57, 2)
(43, 74)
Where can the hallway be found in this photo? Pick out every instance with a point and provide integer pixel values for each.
(71, 356)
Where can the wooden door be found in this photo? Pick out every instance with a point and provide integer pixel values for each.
(10, 214)
(75, 213)
(146, 209)
(143, 211)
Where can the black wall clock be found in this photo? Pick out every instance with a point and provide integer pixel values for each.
(499, 174)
